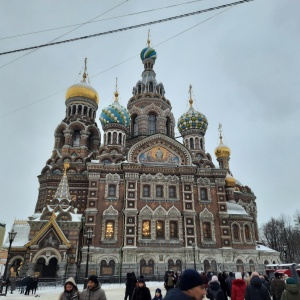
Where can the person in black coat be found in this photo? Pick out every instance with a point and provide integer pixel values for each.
(256, 290)
(214, 291)
(130, 285)
(141, 292)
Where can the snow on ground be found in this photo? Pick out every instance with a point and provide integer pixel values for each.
(113, 291)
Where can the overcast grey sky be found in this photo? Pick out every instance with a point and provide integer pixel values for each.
(243, 65)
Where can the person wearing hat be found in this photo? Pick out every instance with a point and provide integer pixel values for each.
(291, 291)
(238, 288)
(191, 286)
(141, 292)
(277, 286)
(214, 291)
(158, 295)
(70, 290)
(93, 290)
(256, 290)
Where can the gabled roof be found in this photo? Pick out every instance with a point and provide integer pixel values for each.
(50, 223)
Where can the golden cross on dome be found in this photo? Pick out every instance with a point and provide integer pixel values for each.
(148, 40)
(116, 92)
(66, 166)
(190, 92)
(85, 70)
(220, 130)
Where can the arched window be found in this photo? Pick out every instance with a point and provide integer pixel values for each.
(192, 143)
(235, 229)
(203, 194)
(79, 109)
(76, 138)
(120, 138)
(109, 230)
(173, 229)
(168, 127)
(111, 190)
(146, 229)
(114, 138)
(109, 138)
(160, 230)
(151, 87)
(172, 192)
(251, 265)
(152, 124)
(146, 191)
(239, 265)
(247, 232)
(134, 126)
(207, 230)
(159, 191)
(201, 144)
(196, 143)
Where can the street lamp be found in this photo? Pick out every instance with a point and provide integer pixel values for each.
(194, 254)
(11, 237)
(285, 253)
(89, 236)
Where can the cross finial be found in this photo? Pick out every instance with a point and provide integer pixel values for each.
(66, 166)
(190, 92)
(220, 130)
(85, 70)
(148, 40)
(116, 92)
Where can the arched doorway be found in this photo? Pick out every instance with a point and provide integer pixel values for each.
(206, 266)
(251, 265)
(107, 268)
(46, 270)
(147, 269)
(239, 266)
(213, 266)
(177, 267)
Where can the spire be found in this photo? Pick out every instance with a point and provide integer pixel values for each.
(85, 70)
(148, 39)
(116, 92)
(191, 99)
(62, 191)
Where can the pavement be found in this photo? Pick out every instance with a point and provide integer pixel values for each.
(112, 291)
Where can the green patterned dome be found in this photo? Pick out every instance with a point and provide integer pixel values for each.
(192, 119)
(148, 52)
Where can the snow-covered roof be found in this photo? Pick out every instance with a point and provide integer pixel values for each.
(236, 209)
(22, 229)
(264, 248)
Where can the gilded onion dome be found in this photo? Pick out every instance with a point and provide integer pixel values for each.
(230, 181)
(115, 113)
(192, 119)
(82, 89)
(222, 150)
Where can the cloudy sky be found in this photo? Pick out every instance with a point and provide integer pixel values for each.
(242, 62)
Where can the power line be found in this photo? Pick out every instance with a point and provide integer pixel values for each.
(82, 24)
(116, 65)
(107, 19)
(127, 28)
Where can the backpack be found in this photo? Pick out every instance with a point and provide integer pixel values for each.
(215, 294)
(170, 281)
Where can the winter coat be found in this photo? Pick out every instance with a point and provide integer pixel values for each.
(214, 291)
(291, 292)
(238, 289)
(141, 293)
(73, 295)
(130, 283)
(256, 290)
(277, 287)
(228, 281)
(96, 293)
(177, 294)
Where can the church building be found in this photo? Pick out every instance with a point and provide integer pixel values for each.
(153, 201)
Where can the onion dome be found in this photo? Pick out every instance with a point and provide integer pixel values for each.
(115, 113)
(148, 52)
(222, 150)
(82, 89)
(192, 119)
(230, 181)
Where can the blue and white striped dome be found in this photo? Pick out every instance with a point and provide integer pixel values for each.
(115, 113)
(148, 52)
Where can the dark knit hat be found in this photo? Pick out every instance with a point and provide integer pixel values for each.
(93, 278)
(158, 291)
(190, 279)
(141, 279)
(290, 281)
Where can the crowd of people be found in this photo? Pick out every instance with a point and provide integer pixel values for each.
(190, 285)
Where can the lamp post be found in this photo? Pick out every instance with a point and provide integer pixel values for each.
(89, 236)
(194, 254)
(11, 237)
(285, 253)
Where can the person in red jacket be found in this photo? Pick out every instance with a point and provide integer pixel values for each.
(238, 289)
